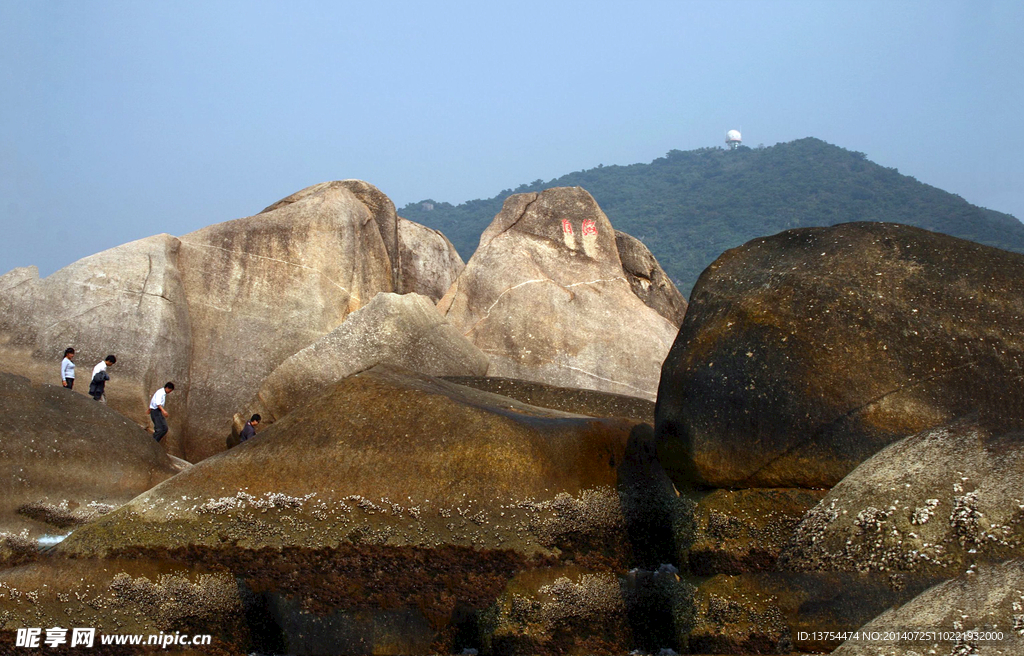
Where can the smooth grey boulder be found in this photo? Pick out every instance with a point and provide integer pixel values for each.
(128, 301)
(400, 330)
(65, 459)
(648, 280)
(430, 264)
(976, 614)
(937, 503)
(545, 296)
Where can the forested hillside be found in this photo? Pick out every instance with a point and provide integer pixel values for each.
(689, 207)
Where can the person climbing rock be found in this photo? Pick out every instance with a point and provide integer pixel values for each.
(249, 430)
(98, 383)
(157, 412)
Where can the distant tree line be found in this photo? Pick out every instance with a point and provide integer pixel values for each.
(688, 207)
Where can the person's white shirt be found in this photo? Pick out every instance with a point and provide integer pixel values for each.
(102, 366)
(158, 399)
(67, 369)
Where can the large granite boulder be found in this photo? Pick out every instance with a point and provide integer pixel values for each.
(803, 354)
(398, 500)
(401, 330)
(936, 503)
(128, 301)
(65, 460)
(262, 288)
(546, 297)
(219, 309)
(430, 263)
(977, 614)
(648, 280)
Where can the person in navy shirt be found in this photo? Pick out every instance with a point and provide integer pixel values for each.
(249, 430)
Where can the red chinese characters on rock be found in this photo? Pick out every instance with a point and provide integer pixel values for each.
(566, 226)
(589, 228)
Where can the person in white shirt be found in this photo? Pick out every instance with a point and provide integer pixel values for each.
(157, 412)
(98, 382)
(67, 368)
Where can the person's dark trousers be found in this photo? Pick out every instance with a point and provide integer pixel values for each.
(159, 423)
(70, 382)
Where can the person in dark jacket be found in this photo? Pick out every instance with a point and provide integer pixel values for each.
(98, 384)
(249, 430)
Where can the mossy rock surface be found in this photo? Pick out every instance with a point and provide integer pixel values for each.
(737, 531)
(567, 399)
(399, 500)
(980, 614)
(125, 596)
(805, 353)
(934, 504)
(66, 459)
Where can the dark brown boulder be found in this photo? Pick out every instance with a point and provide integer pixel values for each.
(804, 353)
(648, 280)
(66, 459)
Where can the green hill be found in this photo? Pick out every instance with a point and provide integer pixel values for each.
(689, 207)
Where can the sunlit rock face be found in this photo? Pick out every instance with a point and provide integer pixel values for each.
(803, 354)
(217, 310)
(546, 297)
(65, 460)
(261, 288)
(430, 264)
(403, 330)
(128, 301)
(449, 490)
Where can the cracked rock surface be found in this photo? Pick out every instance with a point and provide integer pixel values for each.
(804, 353)
(546, 297)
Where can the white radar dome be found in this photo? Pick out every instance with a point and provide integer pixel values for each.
(733, 135)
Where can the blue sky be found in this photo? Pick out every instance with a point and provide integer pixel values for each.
(120, 120)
